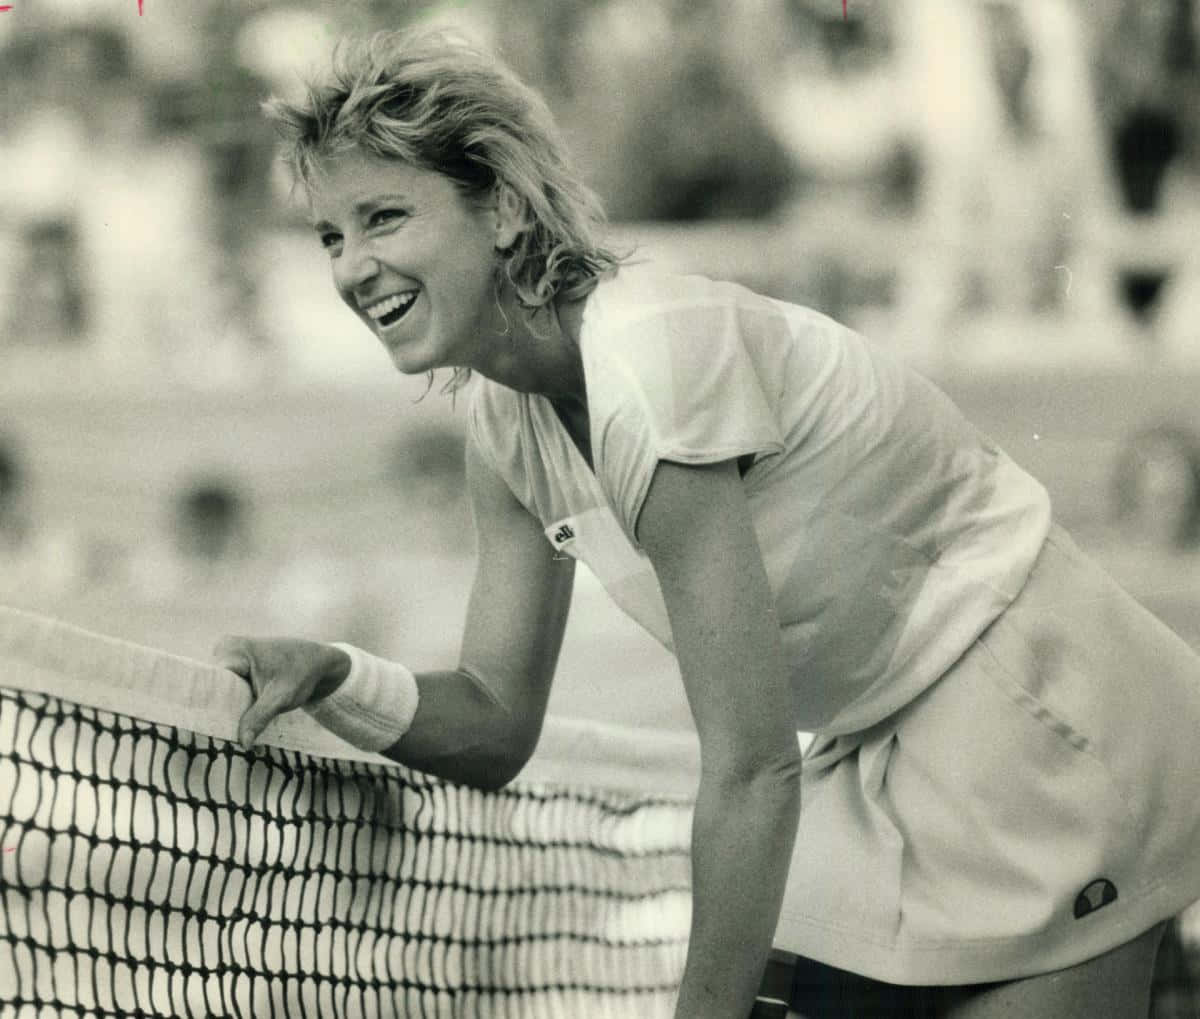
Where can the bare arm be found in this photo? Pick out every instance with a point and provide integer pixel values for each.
(477, 723)
(480, 722)
(696, 527)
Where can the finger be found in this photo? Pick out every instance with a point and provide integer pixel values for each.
(275, 699)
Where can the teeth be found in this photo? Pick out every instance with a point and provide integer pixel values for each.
(391, 304)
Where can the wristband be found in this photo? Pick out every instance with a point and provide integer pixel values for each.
(373, 706)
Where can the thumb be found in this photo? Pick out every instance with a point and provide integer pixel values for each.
(274, 700)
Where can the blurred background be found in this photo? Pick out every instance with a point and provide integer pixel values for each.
(196, 438)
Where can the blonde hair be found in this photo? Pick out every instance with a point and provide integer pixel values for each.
(437, 102)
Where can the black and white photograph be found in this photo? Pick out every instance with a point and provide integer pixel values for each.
(603, 509)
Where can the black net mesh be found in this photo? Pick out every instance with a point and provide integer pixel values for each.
(149, 870)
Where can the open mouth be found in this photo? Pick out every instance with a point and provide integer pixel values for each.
(392, 309)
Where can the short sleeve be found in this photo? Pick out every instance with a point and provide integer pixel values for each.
(494, 424)
(690, 382)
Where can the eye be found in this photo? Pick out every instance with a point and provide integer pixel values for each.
(384, 217)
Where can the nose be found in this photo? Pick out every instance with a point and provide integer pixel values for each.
(354, 268)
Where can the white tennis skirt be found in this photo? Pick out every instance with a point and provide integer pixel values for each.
(1036, 807)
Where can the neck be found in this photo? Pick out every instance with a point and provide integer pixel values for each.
(538, 352)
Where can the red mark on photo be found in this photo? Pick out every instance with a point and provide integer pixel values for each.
(844, 2)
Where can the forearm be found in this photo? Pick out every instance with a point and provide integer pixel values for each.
(461, 731)
(742, 838)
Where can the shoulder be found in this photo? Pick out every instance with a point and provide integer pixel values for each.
(646, 292)
(678, 368)
(643, 325)
(656, 341)
(500, 437)
(493, 424)
(493, 411)
(643, 320)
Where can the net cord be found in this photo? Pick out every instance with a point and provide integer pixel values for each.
(62, 660)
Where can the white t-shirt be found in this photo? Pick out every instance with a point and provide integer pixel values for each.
(891, 530)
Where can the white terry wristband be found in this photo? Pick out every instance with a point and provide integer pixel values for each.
(374, 705)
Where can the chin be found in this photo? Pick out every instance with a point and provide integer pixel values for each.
(414, 360)
(418, 355)
(406, 364)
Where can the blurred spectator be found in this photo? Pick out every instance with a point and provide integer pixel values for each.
(970, 121)
(1014, 183)
(1144, 146)
(1146, 59)
(238, 154)
(212, 524)
(135, 221)
(1157, 489)
(1145, 143)
(37, 564)
(1037, 169)
(13, 525)
(152, 230)
(1147, 80)
(664, 122)
(49, 294)
(700, 152)
(827, 86)
(44, 297)
(207, 546)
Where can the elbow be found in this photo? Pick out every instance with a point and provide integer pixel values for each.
(487, 771)
(493, 746)
(766, 793)
(788, 766)
(518, 749)
(778, 773)
(783, 772)
(498, 778)
(505, 759)
(494, 772)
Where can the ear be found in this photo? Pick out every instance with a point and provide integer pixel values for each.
(511, 216)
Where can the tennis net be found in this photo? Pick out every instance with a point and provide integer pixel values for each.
(151, 866)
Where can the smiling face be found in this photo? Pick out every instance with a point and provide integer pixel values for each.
(413, 258)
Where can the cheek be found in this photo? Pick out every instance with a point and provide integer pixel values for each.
(475, 251)
(472, 277)
(349, 302)
(339, 284)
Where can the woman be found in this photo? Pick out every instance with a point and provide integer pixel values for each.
(991, 804)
